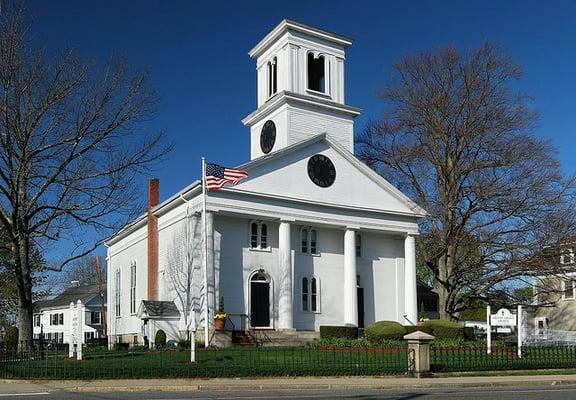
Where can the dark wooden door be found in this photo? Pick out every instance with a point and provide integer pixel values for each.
(360, 294)
(260, 304)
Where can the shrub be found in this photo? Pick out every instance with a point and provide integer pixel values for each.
(382, 330)
(343, 332)
(411, 328)
(11, 337)
(160, 338)
(121, 346)
(469, 333)
(442, 329)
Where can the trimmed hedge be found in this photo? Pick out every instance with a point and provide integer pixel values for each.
(341, 332)
(384, 330)
(442, 329)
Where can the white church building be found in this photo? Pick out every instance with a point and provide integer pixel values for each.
(311, 237)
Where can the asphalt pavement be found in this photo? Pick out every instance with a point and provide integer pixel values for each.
(516, 393)
(509, 387)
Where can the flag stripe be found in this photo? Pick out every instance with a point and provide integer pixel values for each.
(217, 176)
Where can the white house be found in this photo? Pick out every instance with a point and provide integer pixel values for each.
(54, 317)
(311, 237)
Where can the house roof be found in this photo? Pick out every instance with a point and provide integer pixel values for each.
(158, 309)
(71, 295)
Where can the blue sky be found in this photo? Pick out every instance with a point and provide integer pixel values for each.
(197, 53)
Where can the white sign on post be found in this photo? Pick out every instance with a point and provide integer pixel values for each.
(503, 317)
(76, 331)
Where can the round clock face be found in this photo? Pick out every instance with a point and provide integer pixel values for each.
(267, 137)
(321, 170)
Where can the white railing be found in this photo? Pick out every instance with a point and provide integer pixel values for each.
(544, 337)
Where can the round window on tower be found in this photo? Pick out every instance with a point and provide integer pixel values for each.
(267, 137)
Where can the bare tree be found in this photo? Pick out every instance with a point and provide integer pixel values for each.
(82, 270)
(182, 266)
(458, 138)
(71, 149)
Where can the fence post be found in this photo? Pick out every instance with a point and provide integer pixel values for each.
(419, 353)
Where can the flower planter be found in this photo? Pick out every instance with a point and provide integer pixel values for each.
(219, 323)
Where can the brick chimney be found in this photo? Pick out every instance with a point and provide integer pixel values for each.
(153, 197)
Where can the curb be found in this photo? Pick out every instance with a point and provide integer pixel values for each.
(424, 384)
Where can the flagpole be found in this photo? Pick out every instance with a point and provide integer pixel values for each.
(205, 255)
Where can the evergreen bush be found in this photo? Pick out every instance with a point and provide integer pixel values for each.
(342, 332)
(384, 330)
(11, 337)
(160, 338)
(441, 329)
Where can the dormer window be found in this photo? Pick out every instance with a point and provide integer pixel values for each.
(272, 77)
(316, 73)
(567, 256)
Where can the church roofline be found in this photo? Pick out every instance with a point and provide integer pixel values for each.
(195, 188)
(287, 25)
(284, 97)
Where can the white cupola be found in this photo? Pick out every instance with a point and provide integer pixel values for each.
(300, 72)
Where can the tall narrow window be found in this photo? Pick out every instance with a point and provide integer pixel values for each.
(254, 235)
(313, 295)
(304, 240)
(272, 77)
(358, 245)
(117, 293)
(263, 236)
(258, 235)
(568, 289)
(133, 288)
(305, 294)
(313, 241)
(61, 319)
(310, 294)
(316, 65)
(309, 240)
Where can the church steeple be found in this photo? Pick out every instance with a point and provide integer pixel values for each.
(300, 71)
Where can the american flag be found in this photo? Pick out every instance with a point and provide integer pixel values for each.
(217, 176)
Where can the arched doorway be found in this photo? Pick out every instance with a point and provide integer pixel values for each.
(260, 300)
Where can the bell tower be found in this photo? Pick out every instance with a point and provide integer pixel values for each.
(300, 75)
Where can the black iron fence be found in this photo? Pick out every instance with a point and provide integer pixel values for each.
(31, 363)
(475, 358)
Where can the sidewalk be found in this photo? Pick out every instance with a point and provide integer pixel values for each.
(312, 383)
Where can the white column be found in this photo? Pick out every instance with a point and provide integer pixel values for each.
(285, 312)
(410, 299)
(212, 301)
(71, 318)
(350, 293)
(79, 328)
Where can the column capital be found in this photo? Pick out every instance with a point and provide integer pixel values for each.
(411, 234)
(352, 228)
(288, 220)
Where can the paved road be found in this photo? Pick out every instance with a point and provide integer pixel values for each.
(512, 393)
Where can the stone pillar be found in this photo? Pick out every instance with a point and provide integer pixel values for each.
(410, 297)
(285, 303)
(419, 353)
(350, 294)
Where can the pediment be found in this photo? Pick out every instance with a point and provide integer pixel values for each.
(285, 175)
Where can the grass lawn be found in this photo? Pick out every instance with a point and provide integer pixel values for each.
(213, 363)
(462, 359)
